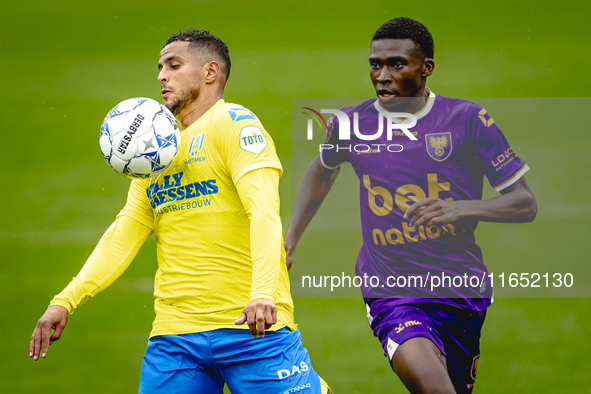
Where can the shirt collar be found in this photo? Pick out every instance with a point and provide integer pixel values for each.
(420, 114)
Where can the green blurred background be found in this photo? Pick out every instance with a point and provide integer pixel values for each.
(65, 64)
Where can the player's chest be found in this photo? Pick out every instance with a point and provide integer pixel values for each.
(194, 172)
(198, 158)
(436, 149)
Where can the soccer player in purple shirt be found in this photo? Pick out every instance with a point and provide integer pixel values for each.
(421, 201)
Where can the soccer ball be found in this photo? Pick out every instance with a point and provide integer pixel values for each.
(139, 138)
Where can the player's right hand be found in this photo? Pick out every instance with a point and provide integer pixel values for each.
(55, 317)
(260, 314)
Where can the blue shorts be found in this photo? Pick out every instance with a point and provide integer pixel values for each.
(454, 330)
(203, 362)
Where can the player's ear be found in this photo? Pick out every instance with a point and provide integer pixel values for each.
(212, 71)
(428, 66)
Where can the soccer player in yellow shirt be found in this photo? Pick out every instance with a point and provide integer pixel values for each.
(221, 263)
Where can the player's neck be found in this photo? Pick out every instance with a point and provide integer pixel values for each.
(200, 106)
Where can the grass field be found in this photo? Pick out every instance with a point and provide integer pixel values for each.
(65, 64)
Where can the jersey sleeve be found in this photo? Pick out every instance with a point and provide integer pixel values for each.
(110, 258)
(498, 161)
(138, 204)
(258, 191)
(333, 152)
(243, 142)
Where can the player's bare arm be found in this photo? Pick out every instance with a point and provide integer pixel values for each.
(55, 318)
(316, 184)
(516, 204)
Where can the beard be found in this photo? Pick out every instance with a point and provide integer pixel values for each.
(182, 100)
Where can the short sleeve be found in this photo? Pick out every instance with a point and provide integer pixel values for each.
(243, 142)
(498, 161)
(138, 204)
(333, 152)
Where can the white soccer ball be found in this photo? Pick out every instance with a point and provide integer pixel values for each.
(139, 138)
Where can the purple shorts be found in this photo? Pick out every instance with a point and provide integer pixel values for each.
(454, 330)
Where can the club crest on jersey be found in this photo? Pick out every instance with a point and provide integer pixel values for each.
(196, 144)
(252, 139)
(438, 145)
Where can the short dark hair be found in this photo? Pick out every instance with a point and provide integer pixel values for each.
(401, 28)
(203, 42)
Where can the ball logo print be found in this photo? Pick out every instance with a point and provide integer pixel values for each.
(139, 138)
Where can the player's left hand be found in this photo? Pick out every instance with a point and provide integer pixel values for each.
(432, 211)
(260, 314)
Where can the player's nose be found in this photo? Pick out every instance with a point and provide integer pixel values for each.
(384, 76)
(162, 76)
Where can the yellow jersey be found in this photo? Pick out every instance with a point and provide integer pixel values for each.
(203, 235)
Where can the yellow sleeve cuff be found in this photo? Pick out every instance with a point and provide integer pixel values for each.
(57, 302)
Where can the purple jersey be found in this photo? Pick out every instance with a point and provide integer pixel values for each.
(457, 144)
